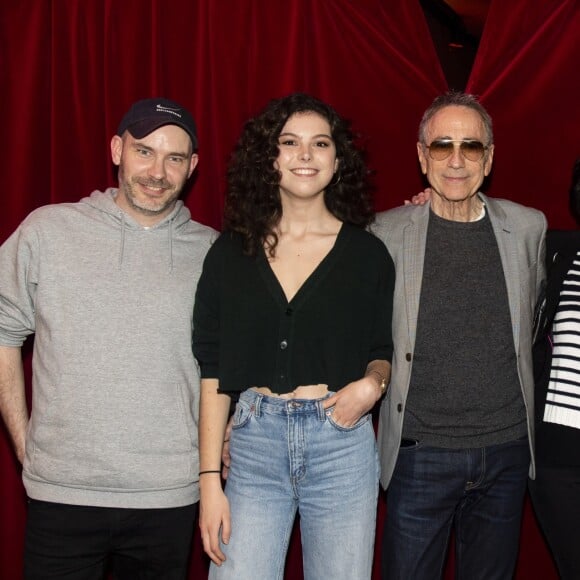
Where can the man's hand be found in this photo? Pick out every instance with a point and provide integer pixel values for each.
(226, 458)
(421, 198)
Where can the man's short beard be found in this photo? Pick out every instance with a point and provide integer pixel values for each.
(131, 199)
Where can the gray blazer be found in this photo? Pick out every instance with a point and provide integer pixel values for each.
(520, 233)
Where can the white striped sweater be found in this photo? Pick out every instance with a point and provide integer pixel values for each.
(563, 395)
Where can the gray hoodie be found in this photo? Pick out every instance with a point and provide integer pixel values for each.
(115, 383)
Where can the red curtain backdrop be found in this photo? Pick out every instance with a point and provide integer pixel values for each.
(527, 73)
(70, 68)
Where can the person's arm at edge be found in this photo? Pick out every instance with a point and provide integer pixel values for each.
(214, 513)
(13, 397)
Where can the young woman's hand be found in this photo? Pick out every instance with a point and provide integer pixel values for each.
(353, 401)
(214, 516)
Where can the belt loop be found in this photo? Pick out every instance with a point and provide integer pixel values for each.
(321, 410)
(258, 404)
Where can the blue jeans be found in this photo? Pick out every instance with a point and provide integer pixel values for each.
(289, 456)
(477, 492)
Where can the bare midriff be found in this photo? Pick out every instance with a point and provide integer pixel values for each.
(301, 392)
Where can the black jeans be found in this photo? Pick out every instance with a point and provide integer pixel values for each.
(555, 496)
(72, 542)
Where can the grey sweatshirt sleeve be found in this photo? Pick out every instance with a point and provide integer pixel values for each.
(18, 259)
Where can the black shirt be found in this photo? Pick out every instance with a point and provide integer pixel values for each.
(247, 334)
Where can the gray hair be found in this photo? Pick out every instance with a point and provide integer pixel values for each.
(456, 99)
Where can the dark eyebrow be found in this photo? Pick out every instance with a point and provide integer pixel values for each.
(288, 133)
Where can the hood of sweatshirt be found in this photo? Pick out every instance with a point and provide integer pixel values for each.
(104, 202)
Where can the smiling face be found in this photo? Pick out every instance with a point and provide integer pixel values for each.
(456, 179)
(307, 156)
(152, 172)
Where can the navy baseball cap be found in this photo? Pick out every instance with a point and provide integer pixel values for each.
(147, 115)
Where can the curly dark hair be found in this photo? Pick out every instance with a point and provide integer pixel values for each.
(253, 207)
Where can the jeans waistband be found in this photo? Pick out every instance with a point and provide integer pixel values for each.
(277, 406)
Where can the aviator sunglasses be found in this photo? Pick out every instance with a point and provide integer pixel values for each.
(472, 150)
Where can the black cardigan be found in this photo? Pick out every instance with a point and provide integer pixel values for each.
(247, 334)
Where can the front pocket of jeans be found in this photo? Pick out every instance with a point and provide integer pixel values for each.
(362, 421)
(242, 414)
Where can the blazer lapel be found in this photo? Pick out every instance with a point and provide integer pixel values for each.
(509, 259)
(414, 240)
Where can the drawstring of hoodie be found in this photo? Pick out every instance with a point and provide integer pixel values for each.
(170, 230)
(170, 233)
(122, 248)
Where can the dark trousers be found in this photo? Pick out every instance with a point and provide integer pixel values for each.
(72, 542)
(477, 492)
(555, 496)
